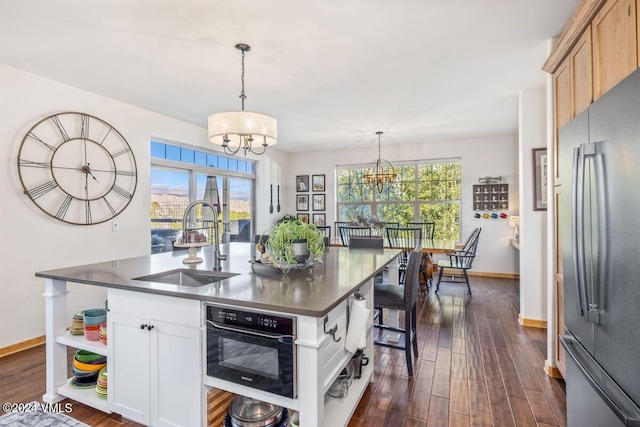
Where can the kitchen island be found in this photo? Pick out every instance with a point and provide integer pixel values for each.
(154, 377)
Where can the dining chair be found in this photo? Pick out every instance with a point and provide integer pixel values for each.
(326, 230)
(405, 239)
(428, 231)
(428, 228)
(389, 224)
(337, 225)
(364, 242)
(403, 298)
(461, 260)
(347, 231)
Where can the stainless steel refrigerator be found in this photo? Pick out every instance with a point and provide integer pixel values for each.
(599, 230)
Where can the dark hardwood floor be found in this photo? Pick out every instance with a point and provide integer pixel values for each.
(477, 367)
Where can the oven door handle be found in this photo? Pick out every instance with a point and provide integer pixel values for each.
(249, 332)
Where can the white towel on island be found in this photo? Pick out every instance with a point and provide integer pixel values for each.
(358, 320)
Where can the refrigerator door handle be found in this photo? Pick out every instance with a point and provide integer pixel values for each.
(594, 309)
(619, 402)
(577, 237)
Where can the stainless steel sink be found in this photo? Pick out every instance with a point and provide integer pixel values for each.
(186, 277)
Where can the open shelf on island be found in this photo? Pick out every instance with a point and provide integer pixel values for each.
(251, 392)
(338, 412)
(80, 342)
(86, 396)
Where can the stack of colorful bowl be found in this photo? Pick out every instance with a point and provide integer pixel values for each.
(77, 327)
(92, 320)
(103, 333)
(86, 368)
(101, 386)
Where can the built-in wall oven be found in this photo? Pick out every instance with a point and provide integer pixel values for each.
(252, 348)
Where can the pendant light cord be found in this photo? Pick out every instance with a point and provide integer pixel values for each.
(242, 95)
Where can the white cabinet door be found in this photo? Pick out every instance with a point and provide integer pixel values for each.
(176, 375)
(128, 367)
(155, 371)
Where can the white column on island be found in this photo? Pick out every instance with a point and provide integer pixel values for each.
(56, 315)
(310, 377)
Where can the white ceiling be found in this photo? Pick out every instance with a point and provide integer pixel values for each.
(332, 72)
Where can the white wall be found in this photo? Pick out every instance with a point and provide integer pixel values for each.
(496, 156)
(533, 224)
(34, 241)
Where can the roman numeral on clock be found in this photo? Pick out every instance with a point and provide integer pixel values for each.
(35, 138)
(63, 132)
(113, 211)
(87, 205)
(64, 207)
(30, 164)
(43, 189)
(119, 153)
(121, 191)
(84, 131)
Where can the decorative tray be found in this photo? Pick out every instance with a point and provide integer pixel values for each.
(285, 268)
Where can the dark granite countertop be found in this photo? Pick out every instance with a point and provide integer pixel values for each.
(310, 292)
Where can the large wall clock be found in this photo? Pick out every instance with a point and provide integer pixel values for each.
(77, 168)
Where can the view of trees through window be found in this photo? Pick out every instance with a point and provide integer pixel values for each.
(424, 192)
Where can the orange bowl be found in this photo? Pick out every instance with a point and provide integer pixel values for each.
(87, 366)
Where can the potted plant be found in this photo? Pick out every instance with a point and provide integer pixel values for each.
(292, 242)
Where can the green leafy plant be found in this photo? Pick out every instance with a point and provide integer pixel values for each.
(285, 218)
(283, 234)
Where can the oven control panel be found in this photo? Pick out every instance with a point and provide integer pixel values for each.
(251, 320)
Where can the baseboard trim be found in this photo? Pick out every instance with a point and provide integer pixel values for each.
(478, 273)
(532, 323)
(15, 348)
(552, 371)
(491, 274)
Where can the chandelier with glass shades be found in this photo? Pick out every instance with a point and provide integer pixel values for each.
(235, 130)
(381, 174)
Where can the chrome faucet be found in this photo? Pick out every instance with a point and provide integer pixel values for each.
(216, 245)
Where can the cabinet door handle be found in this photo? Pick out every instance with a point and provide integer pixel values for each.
(143, 326)
(149, 327)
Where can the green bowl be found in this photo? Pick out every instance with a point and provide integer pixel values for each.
(86, 356)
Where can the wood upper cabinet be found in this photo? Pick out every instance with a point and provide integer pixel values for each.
(562, 103)
(581, 73)
(573, 81)
(615, 39)
(562, 83)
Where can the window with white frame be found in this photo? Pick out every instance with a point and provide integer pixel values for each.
(181, 174)
(425, 191)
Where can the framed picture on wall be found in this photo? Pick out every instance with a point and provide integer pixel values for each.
(302, 202)
(304, 217)
(319, 219)
(318, 202)
(317, 182)
(540, 179)
(302, 183)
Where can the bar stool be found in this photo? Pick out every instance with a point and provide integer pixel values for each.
(403, 298)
